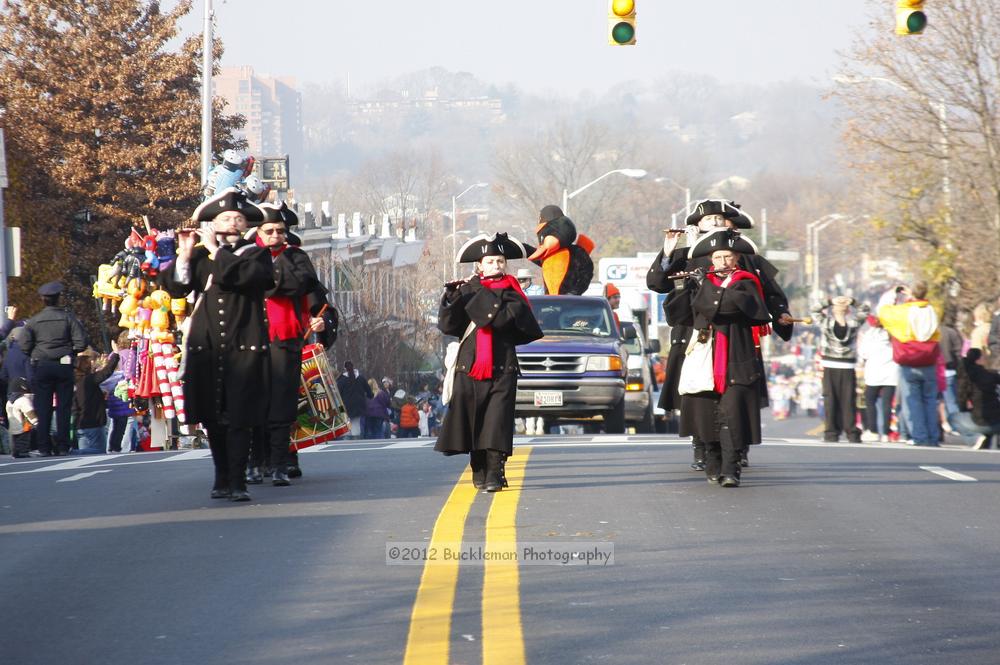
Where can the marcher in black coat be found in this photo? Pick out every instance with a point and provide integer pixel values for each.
(290, 319)
(728, 307)
(225, 363)
(709, 216)
(480, 418)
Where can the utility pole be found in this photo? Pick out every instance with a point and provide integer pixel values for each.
(3, 233)
(206, 95)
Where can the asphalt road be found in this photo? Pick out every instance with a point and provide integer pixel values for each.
(826, 554)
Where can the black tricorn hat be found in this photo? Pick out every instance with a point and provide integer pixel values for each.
(278, 214)
(550, 213)
(498, 244)
(228, 200)
(727, 209)
(718, 239)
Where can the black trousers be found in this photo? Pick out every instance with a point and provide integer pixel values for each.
(117, 433)
(269, 445)
(53, 378)
(230, 447)
(722, 457)
(839, 386)
(883, 394)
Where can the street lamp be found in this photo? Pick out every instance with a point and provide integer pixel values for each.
(454, 215)
(815, 228)
(687, 198)
(628, 173)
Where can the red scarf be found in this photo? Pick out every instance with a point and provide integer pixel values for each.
(482, 369)
(282, 321)
(720, 361)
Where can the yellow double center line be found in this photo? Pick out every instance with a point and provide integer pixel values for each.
(428, 642)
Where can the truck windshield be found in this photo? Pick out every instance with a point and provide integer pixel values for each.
(573, 318)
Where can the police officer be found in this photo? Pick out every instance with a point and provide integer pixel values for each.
(52, 338)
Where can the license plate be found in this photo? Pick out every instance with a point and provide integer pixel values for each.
(548, 398)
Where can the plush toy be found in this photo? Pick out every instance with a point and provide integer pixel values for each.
(233, 169)
(563, 254)
(105, 290)
(166, 249)
(178, 307)
(255, 189)
(151, 260)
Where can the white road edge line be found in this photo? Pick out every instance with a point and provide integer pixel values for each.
(81, 476)
(950, 475)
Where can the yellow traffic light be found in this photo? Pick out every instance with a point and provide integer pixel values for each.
(910, 18)
(621, 22)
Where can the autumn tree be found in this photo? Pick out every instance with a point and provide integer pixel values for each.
(103, 126)
(924, 136)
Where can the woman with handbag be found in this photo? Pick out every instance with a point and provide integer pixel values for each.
(729, 314)
(491, 315)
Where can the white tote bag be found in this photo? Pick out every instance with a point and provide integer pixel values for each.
(450, 360)
(696, 372)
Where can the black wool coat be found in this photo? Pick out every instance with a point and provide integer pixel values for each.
(295, 278)
(731, 310)
(481, 413)
(225, 367)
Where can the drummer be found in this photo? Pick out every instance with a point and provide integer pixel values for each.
(291, 316)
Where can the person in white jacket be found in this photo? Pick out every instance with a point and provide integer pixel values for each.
(881, 376)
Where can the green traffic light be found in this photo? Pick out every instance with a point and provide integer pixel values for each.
(916, 22)
(623, 33)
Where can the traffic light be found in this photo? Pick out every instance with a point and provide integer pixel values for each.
(621, 22)
(910, 18)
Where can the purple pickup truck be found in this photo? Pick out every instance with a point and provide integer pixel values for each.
(577, 371)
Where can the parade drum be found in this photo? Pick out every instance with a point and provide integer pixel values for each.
(321, 416)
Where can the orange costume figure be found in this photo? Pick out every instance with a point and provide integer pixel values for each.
(563, 254)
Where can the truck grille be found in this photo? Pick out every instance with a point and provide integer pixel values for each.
(551, 363)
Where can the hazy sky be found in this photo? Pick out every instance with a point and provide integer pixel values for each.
(538, 45)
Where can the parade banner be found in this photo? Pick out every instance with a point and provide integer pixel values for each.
(321, 415)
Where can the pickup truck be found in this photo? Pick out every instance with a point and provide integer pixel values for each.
(577, 371)
(640, 384)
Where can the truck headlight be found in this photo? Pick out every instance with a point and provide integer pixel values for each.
(604, 364)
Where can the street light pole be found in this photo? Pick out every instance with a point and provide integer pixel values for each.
(454, 215)
(206, 95)
(628, 173)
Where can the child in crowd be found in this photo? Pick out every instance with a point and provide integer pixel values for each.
(409, 420)
(120, 412)
(21, 417)
(89, 404)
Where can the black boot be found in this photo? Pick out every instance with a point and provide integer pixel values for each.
(494, 471)
(699, 457)
(477, 460)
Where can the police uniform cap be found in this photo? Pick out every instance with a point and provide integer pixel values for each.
(50, 289)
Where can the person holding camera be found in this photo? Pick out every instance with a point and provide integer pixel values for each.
(838, 352)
